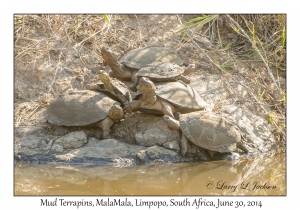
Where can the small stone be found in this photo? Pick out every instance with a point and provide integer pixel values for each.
(80, 78)
(174, 145)
(57, 148)
(72, 140)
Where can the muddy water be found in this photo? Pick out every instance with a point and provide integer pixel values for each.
(261, 176)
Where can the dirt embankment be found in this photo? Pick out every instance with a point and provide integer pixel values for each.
(55, 54)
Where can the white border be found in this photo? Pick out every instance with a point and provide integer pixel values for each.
(154, 6)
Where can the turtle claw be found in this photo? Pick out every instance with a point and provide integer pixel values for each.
(61, 131)
(127, 108)
(107, 137)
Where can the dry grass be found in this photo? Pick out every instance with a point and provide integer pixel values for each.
(256, 40)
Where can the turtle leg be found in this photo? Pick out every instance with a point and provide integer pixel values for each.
(167, 108)
(174, 125)
(122, 98)
(183, 144)
(184, 79)
(105, 126)
(94, 87)
(188, 70)
(60, 130)
(135, 80)
(132, 105)
(241, 146)
(171, 122)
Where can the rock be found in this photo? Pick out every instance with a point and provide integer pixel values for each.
(71, 141)
(33, 145)
(105, 149)
(72, 149)
(159, 153)
(254, 128)
(173, 145)
(145, 130)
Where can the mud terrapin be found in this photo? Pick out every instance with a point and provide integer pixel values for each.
(136, 59)
(160, 71)
(167, 98)
(207, 130)
(84, 107)
(116, 89)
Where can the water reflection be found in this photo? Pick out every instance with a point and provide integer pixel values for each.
(265, 176)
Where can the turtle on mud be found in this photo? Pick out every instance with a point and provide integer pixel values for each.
(84, 107)
(136, 59)
(160, 71)
(207, 130)
(166, 97)
(112, 87)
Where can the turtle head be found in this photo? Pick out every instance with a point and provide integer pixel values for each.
(148, 89)
(104, 77)
(147, 86)
(111, 59)
(116, 113)
(108, 54)
(171, 122)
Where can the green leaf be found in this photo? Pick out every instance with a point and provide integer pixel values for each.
(228, 45)
(283, 37)
(106, 17)
(284, 98)
(184, 33)
(270, 118)
(261, 95)
(196, 19)
(18, 22)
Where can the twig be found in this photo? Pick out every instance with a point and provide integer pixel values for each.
(102, 29)
(27, 116)
(255, 48)
(140, 31)
(28, 48)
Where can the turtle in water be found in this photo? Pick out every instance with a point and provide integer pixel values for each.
(207, 130)
(166, 97)
(136, 59)
(160, 71)
(84, 107)
(116, 89)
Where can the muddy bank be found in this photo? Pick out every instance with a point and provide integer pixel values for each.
(140, 138)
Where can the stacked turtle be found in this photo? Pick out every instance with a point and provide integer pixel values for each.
(163, 88)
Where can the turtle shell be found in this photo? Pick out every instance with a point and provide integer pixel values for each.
(184, 98)
(141, 57)
(207, 130)
(79, 108)
(160, 71)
